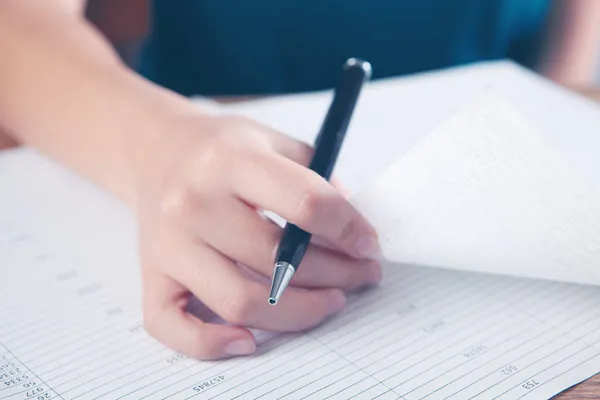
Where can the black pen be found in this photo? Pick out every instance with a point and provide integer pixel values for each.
(294, 240)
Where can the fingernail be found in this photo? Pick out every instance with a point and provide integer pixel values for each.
(337, 301)
(367, 246)
(240, 348)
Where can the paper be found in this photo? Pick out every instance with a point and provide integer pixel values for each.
(70, 317)
(393, 115)
(425, 334)
(484, 192)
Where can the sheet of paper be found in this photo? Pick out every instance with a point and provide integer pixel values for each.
(484, 192)
(70, 318)
(425, 334)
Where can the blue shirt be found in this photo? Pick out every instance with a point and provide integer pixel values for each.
(225, 47)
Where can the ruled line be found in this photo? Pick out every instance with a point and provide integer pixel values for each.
(19, 361)
(553, 365)
(457, 294)
(547, 330)
(143, 349)
(442, 339)
(562, 373)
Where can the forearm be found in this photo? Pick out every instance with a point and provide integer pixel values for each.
(64, 92)
(572, 42)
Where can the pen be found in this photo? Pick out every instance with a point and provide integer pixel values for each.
(294, 241)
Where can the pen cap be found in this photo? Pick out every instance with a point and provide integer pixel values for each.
(363, 67)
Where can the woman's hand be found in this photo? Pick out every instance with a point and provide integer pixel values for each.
(198, 219)
(195, 184)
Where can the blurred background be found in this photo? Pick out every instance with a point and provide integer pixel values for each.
(126, 22)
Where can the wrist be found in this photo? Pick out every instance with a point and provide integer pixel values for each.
(151, 141)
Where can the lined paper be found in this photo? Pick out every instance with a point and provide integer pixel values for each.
(71, 326)
(425, 334)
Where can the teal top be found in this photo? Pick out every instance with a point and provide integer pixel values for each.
(238, 47)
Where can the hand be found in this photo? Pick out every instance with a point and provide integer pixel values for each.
(6, 142)
(198, 218)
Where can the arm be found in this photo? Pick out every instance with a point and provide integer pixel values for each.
(91, 112)
(194, 182)
(572, 46)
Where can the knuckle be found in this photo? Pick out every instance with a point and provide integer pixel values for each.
(254, 162)
(222, 153)
(310, 203)
(236, 307)
(233, 129)
(215, 152)
(235, 121)
(177, 202)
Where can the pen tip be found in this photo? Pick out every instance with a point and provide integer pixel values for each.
(281, 278)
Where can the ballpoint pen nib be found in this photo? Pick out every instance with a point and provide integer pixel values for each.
(281, 278)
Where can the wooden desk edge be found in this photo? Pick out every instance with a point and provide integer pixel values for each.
(589, 389)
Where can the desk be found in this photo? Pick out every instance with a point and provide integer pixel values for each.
(589, 389)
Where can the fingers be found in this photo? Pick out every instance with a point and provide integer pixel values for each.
(257, 238)
(337, 183)
(299, 152)
(166, 320)
(303, 198)
(216, 281)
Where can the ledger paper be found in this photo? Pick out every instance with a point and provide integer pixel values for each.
(426, 333)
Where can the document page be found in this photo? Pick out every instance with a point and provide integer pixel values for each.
(424, 334)
(71, 322)
(484, 192)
